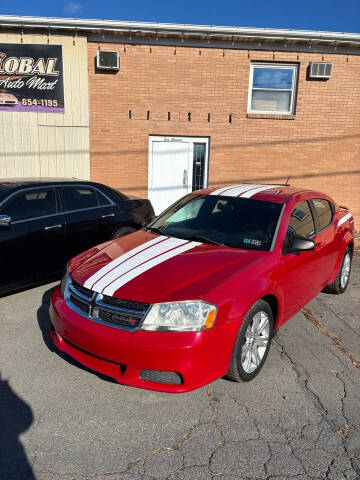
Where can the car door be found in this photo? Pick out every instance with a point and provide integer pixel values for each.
(301, 280)
(327, 246)
(33, 246)
(88, 217)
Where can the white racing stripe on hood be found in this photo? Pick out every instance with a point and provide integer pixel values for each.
(259, 189)
(135, 272)
(137, 260)
(110, 266)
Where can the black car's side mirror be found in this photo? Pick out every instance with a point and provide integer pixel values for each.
(5, 221)
(299, 244)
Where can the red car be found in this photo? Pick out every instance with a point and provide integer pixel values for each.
(198, 294)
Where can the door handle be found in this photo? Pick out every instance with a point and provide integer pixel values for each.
(108, 215)
(52, 227)
(185, 178)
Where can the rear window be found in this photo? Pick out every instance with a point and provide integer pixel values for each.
(324, 212)
(121, 194)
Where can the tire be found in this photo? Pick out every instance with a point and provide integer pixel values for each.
(239, 371)
(339, 285)
(123, 231)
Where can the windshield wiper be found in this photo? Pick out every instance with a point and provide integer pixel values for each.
(203, 238)
(194, 238)
(154, 230)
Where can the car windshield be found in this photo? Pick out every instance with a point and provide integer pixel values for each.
(230, 221)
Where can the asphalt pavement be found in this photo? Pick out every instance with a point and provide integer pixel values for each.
(299, 419)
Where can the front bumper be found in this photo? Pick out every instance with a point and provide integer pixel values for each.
(199, 357)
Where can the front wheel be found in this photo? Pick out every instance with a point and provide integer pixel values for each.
(252, 343)
(339, 285)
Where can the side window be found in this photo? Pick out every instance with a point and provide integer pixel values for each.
(102, 200)
(301, 220)
(79, 198)
(324, 212)
(31, 205)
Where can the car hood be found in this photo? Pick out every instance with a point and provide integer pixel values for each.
(152, 268)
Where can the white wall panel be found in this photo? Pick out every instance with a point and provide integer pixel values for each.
(50, 144)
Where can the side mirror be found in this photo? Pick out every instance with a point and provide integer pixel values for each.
(300, 244)
(5, 221)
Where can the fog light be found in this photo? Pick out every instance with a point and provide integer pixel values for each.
(161, 376)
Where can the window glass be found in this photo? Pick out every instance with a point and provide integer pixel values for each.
(270, 101)
(272, 88)
(189, 211)
(324, 212)
(102, 200)
(268, 77)
(301, 220)
(31, 205)
(79, 198)
(231, 221)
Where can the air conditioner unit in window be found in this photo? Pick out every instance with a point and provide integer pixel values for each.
(107, 60)
(320, 70)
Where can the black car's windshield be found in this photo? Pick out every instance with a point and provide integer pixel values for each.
(231, 221)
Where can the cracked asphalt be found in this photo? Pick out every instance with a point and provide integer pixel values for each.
(299, 419)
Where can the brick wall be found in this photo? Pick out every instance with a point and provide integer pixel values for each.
(319, 147)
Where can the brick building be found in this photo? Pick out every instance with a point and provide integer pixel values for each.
(191, 106)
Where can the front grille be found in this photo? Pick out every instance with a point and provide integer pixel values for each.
(118, 302)
(81, 304)
(85, 291)
(112, 311)
(122, 319)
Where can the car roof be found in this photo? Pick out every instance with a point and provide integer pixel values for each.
(25, 182)
(8, 185)
(266, 192)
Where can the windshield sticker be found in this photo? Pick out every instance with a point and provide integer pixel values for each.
(252, 241)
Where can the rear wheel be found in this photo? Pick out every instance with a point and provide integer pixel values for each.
(252, 343)
(339, 285)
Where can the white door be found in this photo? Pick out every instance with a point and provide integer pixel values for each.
(171, 164)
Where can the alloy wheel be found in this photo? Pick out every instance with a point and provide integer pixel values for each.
(345, 271)
(255, 342)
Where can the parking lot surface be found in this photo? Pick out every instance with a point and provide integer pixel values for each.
(299, 419)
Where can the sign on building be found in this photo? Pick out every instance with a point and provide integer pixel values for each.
(31, 78)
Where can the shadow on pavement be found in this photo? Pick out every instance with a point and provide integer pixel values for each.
(44, 324)
(15, 418)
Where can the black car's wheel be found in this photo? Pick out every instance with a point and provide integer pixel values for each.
(339, 285)
(123, 231)
(252, 343)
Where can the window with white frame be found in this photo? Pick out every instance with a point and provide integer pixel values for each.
(272, 88)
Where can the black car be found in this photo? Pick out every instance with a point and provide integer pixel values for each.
(44, 222)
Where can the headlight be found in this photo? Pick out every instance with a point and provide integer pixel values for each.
(65, 280)
(189, 316)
